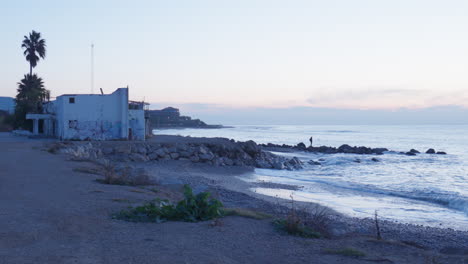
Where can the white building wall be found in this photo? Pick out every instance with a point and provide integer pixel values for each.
(98, 117)
(136, 121)
(7, 104)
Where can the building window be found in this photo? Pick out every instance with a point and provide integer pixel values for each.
(71, 100)
(72, 123)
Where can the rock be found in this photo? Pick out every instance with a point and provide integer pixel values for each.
(174, 155)
(430, 151)
(414, 151)
(194, 158)
(312, 162)
(203, 150)
(263, 164)
(123, 148)
(153, 156)
(409, 153)
(138, 157)
(379, 151)
(375, 159)
(357, 160)
(441, 153)
(185, 154)
(301, 146)
(108, 151)
(161, 152)
(141, 150)
(207, 156)
(278, 165)
(228, 161)
(172, 149)
(345, 148)
(251, 148)
(182, 147)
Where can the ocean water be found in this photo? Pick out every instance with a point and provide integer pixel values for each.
(425, 189)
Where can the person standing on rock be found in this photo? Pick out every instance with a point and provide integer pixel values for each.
(311, 140)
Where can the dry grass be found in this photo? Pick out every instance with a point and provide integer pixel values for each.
(123, 176)
(307, 221)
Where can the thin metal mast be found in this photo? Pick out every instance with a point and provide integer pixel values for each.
(92, 68)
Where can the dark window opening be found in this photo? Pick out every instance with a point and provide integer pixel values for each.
(72, 123)
(71, 100)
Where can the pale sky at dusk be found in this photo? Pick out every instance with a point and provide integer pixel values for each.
(334, 54)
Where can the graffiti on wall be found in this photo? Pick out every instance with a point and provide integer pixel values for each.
(94, 130)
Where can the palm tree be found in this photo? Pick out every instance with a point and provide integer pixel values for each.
(31, 95)
(34, 49)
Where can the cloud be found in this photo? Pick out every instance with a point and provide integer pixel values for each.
(386, 98)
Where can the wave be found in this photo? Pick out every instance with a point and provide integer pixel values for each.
(450, 200)
(341, 131)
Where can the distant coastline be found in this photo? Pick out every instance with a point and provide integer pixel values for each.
(170, 118)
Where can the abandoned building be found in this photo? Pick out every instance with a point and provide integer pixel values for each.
(7, 104)
(92, 117)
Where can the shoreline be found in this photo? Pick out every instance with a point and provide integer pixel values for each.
(226, 179)
(206, 178)
(56, 211)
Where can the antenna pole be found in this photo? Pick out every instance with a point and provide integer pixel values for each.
(92, 68)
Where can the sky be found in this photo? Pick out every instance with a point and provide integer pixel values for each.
(209, 57)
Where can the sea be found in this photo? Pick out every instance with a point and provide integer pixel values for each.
(426, 189)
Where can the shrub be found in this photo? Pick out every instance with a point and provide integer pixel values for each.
(192, 208)
(302, 223)
(123, 176)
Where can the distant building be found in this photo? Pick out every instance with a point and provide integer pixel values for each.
(170, 117)
(92, 117)
(7, 104)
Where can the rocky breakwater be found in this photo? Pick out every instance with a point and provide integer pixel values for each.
(223, 152)
(324, 149)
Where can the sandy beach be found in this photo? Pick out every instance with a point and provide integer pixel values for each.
(53, 212)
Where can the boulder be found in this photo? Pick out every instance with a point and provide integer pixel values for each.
(138, 157)
(153, 156)
(203, 150)
(174, 155)
(345, 149)
(185, 154)
(278, 165)
(228, 161)
(414, 151)
(207, 156)
(251, 148)
(312, 162)
(441, 153)
(409, 153)
(107, 151)
(375, 159)
(161, 152)
(430, 151)
(301, 146)
(194, 158)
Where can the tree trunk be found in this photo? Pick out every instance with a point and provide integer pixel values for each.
(30, 69)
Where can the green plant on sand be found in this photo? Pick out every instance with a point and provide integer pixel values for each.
(192, 208)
